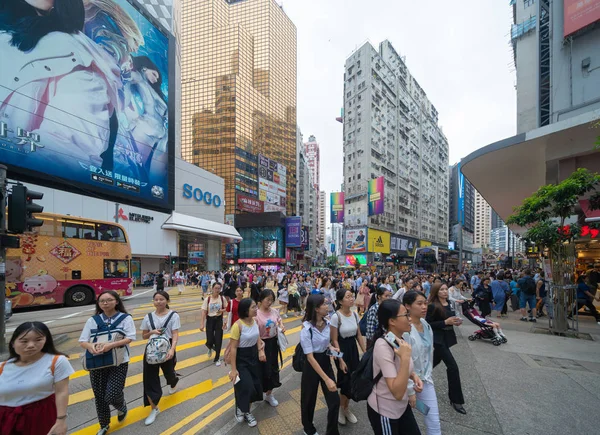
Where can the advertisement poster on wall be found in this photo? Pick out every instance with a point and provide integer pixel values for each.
(272, 182)
(379, 241)
(293, 232)
(375, 191)
(305, 238)
(337, 207)
(249, 204)
(356, 240)
(579, 14)
(87, 108)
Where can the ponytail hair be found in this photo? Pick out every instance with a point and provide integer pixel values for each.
(339, 296)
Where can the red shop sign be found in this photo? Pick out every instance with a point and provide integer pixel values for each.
(249, 204)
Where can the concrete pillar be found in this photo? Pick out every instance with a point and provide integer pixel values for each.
(213, 254)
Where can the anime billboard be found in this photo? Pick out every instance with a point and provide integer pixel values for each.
(84, 94)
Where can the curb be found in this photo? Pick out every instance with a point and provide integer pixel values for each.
(60, 339)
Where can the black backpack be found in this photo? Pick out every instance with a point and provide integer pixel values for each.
(299, 359)
(363, 381)
(528, 286)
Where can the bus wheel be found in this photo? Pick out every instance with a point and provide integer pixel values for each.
(78, 296)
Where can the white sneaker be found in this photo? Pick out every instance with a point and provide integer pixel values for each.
(250, 419)
(349, 415)
(172, 389)
(341, 418)
(150, 419)
(103, 430)
(239, 415)
(209, 354)
(285, 316)
(271, 400)
(218, 363)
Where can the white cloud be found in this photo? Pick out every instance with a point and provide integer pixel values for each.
(459, 53)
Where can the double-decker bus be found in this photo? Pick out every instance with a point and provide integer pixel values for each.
(68, 260)
(426, 259)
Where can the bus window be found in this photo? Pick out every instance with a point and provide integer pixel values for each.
(116, 269)
(49, 228)
(71, 229)
(110, 233)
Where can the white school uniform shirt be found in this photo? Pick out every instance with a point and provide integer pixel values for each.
(127, 326)
(24, 385)
(159, 322)
(320, 339)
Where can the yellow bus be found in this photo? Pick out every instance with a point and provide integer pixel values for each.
(68, 260)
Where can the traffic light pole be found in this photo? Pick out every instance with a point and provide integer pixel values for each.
(2, 257)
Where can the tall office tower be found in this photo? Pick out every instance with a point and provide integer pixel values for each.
(497, 221)
(483, 222)
(314, 159)
(306, 195)
(391, 130)
(322, 225)
(462, 213)
(238, 71)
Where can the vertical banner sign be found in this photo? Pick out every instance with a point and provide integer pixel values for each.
(305, 238)
(375, 191)
(337, 207)
(293, 232)
(461, 196)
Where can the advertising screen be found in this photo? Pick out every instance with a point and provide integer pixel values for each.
(579, 14)
(85, 104)
(356, 260)
(305, 237)
(376, 196)
(356, 240)
(293, 232)
(337, 207)
(272, 183)
(379, 241)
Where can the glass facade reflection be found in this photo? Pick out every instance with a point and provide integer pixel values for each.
(262, 242)
(238, 72)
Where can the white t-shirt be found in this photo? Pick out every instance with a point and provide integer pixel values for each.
(127, 326)
(159, 322)
(349, 324)
(24, 385)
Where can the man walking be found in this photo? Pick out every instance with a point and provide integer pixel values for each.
(527, 296)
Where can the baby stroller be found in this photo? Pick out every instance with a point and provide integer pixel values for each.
(487, 331)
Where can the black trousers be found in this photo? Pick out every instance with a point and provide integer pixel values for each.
(308, 396)
(270, 368)
(249, 388)
(214, 334)
(590, 304)
(152, 387)
(441, 352)
(405, 425)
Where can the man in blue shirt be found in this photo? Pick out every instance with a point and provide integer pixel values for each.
(476, 280)
(427, 285)
(586, 296)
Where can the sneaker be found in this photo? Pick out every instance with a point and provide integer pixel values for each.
(150, 419)
(350, 416)
(103, 430)
(316, 433)
(341, 418)
(172, 390)
(271, 400)
(523, 319)
(218, 363)
(250, 419)
(532, 319)
(285, 316)
(121, 415)
(209, 354)
(239, 415)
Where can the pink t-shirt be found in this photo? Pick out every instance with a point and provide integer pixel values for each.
(388, 363)
(267, 323)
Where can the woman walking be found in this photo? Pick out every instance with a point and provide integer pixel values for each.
(232, 308)
(484, 297)
(34, 384)
(442, 320)
(420, 338)
(362, 299)
(213, 309)
(315, 338)
(108, 383)
(284, 297)
(345, 334)
(162, 322)
(387, 405)
(372, 322)
(247, 351)
(268, 320)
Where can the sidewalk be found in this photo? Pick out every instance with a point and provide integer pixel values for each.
(534, 384)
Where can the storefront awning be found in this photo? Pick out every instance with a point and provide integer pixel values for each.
(192, 224)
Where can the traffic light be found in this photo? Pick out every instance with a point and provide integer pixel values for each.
(21, 209)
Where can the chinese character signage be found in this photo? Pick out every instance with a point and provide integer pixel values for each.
(375, 192)
(356, 240)
(337, 207)
(272, 182)
(293, 232)
(249, 204)
(579, 14)
(65, 252)
(305, 238)
(88, 109)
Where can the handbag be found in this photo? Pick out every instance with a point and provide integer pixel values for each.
(282, 340)
(299, 358)
(157, 348)
(227, 353)
(105, 333)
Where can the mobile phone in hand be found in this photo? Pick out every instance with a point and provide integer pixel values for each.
(391, 339)
(335, 354)
(422, 407)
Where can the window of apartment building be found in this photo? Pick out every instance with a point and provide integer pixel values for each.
(358, 177)
(528, 3)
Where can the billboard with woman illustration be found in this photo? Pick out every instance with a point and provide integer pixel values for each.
(84, 98)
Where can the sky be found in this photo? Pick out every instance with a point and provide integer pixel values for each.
(458, 51)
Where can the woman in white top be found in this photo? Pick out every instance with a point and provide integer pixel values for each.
(284, 298)
(420, 338)
(167, 323)
(247, 351)
(455, 295)
(108, 383)
(344, 335)
(180, 281)
(34, 384)
(315, 338)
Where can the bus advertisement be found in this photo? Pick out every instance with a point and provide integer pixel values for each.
(68, 261)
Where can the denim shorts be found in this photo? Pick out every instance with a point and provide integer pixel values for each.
(525, 298)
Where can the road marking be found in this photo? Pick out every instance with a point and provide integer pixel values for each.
(139, 294)
(140, 413)
(13, 329)
(75, 314)
(88, 394)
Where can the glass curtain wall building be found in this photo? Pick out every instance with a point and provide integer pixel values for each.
(238, 69)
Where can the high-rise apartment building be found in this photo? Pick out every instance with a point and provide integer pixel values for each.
(238, 74)
(322, 225)
(307, 196)
(391, 130)
(462, 212)
(314, 159)
(483, 222)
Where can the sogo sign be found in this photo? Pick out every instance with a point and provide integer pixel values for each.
(200, 196)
